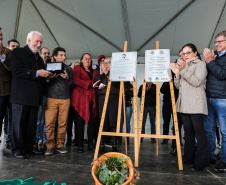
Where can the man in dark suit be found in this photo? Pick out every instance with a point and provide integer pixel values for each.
(26, 94)
(5, 79)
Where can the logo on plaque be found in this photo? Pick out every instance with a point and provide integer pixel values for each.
(161, 52)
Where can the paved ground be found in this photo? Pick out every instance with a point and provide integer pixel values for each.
(75, 169)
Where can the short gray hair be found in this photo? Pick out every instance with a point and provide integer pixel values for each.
(31, 34)
(223, 33)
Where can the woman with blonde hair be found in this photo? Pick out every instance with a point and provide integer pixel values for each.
(112, 107)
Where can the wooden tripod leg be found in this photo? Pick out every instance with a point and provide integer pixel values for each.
(119, 107)
(124, 110)
(180, 165)
(141, 114)
(102, 120)
(157, 116)
(157, 110)
(136, 150)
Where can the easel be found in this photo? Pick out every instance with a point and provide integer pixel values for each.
(157, 135)
(117, 133)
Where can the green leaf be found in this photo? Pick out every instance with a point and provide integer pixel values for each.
(121, 180)
(104, 176)
(124, 171)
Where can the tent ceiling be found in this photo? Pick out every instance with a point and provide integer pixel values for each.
(102, 26)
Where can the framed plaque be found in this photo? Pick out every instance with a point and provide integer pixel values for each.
(123, 66)
(157, 65)
(55, 67)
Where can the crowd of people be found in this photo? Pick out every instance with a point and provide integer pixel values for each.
(39, 107)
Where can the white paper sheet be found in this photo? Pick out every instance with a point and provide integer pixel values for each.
(123, 66)
(157, 65)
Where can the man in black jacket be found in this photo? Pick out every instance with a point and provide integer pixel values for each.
(216, 98)
(149, 107)
(26, 93)
(5, 79)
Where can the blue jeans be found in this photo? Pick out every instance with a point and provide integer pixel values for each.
(129, 111)
(9, 127)
(152, 113)
(41, 127)
(216, 110)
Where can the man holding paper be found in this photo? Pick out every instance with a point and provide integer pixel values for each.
(58, 103)
(26, 94)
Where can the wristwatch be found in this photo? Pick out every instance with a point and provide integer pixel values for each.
(3, 57)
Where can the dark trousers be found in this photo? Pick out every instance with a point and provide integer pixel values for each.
(4, 102)
(71, 120)
(166, 114)
(111, 113)
(24, 123)
(152, 113)
(194, 126)
(80, 122)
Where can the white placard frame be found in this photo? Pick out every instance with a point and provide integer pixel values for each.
(123, 66)
(157, 65)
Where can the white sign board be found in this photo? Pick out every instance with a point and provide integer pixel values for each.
(123, 66)
(157, 65)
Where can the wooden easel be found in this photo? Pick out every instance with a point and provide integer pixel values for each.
(157, 135)
(117, 133)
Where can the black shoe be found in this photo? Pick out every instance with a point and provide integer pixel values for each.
(85, 141)
(220, 167)
(153, 140)
(34, 151)
(173, 152)
(165, 141)
(8, 146)
(193, 168)
(212, 161)
(80, 150)
(91, 148)
(19, 155)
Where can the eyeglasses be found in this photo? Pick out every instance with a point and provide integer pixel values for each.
(86, 58)
(102, 60)
(187, 53)
(219, 41)
(105, 63)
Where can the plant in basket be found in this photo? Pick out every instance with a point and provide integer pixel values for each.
(114, 169)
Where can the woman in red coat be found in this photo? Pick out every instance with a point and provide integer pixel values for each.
(84, 99)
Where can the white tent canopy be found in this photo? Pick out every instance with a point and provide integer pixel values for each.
(102, 26)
